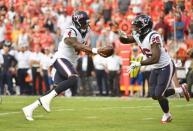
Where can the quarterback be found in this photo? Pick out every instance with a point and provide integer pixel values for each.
(65, 59)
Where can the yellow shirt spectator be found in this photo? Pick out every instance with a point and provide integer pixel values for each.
(14, 35)
(135, 72)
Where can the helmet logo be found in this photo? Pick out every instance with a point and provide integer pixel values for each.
(78, 17)
(143, 21)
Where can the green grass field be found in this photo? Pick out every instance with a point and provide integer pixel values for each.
(95, 114)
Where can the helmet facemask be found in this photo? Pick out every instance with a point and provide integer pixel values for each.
(142, 31)
(84, 26)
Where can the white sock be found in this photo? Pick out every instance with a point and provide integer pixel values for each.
(35, 105)
(167, 114)
(178, 90)
(51, 95)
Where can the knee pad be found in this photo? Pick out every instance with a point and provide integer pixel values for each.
(157, 97)
(73, 79)
(66, 84)
(154, 97)
(160, 98)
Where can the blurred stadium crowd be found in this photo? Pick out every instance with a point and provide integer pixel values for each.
(30, 31)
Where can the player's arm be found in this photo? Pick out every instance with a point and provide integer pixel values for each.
(77, 45)
(153, 56)
(155, 48)
(105, 51)
(125, 39)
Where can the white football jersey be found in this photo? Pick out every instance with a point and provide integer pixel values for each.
(154, 38)
(67, 51)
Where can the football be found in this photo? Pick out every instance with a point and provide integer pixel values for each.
(106, 51)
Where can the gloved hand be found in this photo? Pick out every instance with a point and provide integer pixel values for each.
(122, 34)
(133, 65)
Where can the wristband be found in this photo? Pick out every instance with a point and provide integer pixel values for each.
(94, 50)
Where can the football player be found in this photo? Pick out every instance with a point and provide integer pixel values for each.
(163, 68)
(65, 59)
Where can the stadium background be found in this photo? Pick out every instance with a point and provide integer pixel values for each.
(38, 25)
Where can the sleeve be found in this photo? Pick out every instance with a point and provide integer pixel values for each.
(155, 39)
(28, 56)
(1, 59)
(69, 33)
(42, 58)
(16, 56)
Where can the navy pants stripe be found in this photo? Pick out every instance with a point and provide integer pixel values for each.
(64, 69)
(160, 80)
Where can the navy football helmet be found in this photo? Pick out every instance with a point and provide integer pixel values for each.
(142, 24)
(80, 19)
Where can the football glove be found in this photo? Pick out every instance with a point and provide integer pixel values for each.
(122, 34)
(133, 65)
